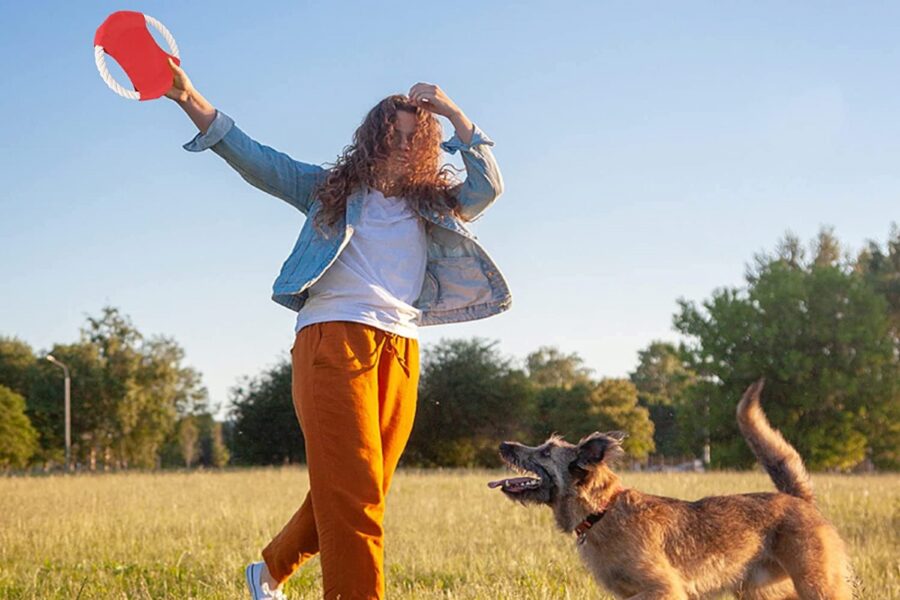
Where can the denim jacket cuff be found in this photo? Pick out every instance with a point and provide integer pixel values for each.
(478, 137)
(220, 126)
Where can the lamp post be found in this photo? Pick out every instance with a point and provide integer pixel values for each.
(68, 411)
(707, 451)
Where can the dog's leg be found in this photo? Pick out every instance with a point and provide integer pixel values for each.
(811, 588)
(658, 580)
(817, 565)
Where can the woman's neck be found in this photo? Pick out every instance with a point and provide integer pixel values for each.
(387, 188)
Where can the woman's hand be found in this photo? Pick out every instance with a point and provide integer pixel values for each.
(433, 99)
(183, 92)
(182, 89)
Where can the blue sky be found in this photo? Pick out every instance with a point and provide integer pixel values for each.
(649, 150)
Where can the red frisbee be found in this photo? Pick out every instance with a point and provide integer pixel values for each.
(124, 36)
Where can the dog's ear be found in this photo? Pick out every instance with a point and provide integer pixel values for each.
(592, 449)
(596, 448)
(588, 453)
(619, 436)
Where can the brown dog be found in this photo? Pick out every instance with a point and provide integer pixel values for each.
(772, 546)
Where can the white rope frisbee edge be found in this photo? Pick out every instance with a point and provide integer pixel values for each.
(100, 59)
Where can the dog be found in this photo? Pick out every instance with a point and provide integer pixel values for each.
(764, 546)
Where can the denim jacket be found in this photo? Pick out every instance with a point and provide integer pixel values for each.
(462, 283)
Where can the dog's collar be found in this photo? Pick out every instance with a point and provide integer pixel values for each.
(582, 528)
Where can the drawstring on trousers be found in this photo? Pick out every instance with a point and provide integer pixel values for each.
(390, 343)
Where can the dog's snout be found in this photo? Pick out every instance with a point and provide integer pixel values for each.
(508, 448)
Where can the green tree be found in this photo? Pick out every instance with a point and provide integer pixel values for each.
(163, 389)
(263, 422)
(213, 451)
(45, 405)
(127, 394)
(662, 380)
(18, 439)
(30, 378)
(143, 387)
(610, 404)
(881, 268)
(826, 249)
(197, 439)
(17, 361)
(549, 367)
(819, 333)
(470, 399)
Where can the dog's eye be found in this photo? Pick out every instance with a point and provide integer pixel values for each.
(545, 453)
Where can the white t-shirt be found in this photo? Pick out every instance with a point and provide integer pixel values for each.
(378, 275)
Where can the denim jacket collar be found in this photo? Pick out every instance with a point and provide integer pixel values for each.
(354, 207)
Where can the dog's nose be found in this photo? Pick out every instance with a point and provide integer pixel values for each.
(506, 446)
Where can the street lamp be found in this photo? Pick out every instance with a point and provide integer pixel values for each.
(68, 411)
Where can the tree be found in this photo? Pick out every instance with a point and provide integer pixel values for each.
(18, 439)
(821, 336)
(470, 399)
(548, 367)
(197, 440)
(264, 424)
(143, 387)
(662, 380)
(28, 377)
(827, 249)
(127, 394)
(16, 363)
(610, 404)
(881, 269)
(45, 404)
(213, 451)
(164, 389)
(188, 440)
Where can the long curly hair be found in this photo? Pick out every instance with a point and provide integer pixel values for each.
(425, 183)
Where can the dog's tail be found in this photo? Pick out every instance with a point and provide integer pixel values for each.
(780, 460)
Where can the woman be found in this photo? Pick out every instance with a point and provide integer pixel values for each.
(384, 250)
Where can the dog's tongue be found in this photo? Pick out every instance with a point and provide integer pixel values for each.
(509, 482)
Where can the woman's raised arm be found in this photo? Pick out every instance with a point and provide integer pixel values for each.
(271, 171)
(483, 183)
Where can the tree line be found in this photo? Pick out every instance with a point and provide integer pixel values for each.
(134, 402)
(822, 326)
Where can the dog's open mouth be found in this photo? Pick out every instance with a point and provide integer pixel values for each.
(515, 485)
(533, 483)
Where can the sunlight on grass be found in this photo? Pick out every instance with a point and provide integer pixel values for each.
(189, 535)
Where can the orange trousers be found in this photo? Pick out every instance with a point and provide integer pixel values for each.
(354, 389)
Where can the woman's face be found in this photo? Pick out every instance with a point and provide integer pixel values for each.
(404, 128)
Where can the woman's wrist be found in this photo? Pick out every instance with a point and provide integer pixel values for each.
(198, 109)
(190, 98)
(462, 125)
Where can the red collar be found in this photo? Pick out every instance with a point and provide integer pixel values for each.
(582, 528)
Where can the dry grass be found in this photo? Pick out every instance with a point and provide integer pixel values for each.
(189, 535)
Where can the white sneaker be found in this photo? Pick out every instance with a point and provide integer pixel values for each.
(258, 589)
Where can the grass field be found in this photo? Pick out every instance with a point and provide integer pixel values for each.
(189, 535)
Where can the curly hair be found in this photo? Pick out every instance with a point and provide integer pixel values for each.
(425, 184)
